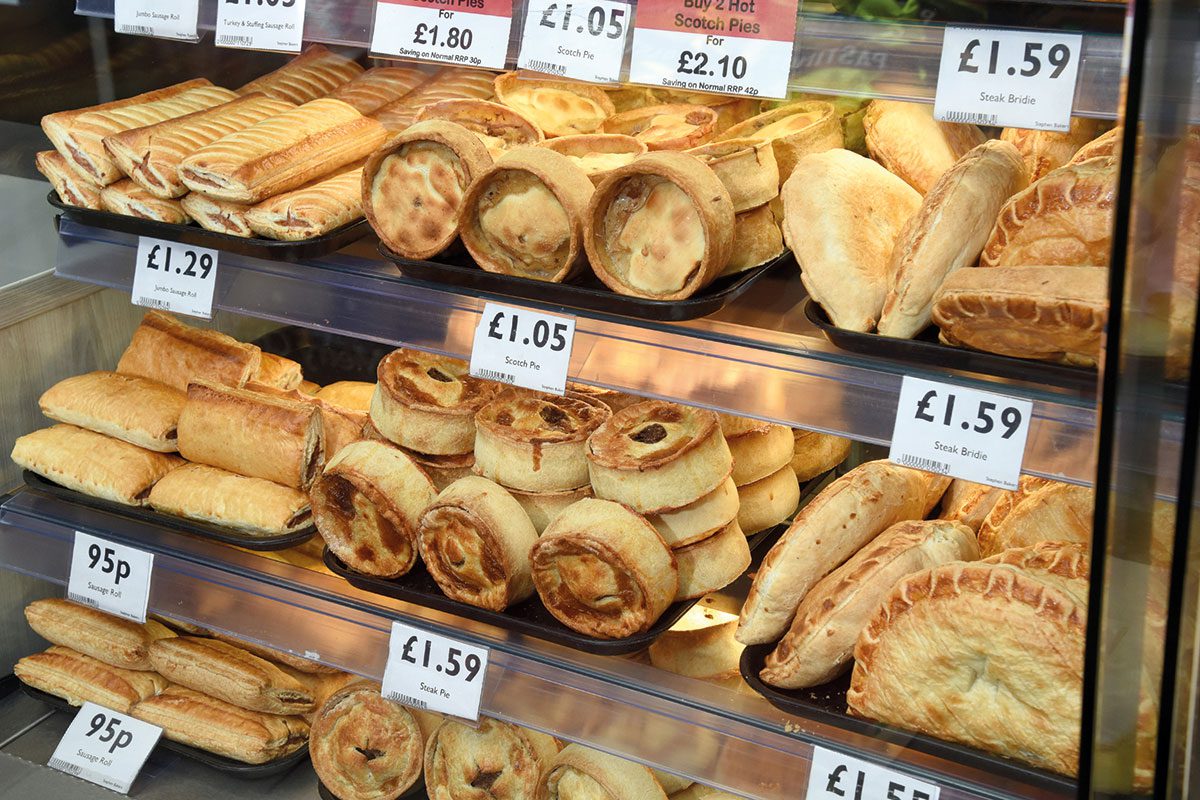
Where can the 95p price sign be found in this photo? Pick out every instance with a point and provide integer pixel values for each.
(473, 33)
(109, 576)
(965, 433)
(522, 347)
(834, 776)
(261, 24)
(433, 672)
(174, 277)
(584, 40)
(1017, 79)
(727, 46)
(105, 747)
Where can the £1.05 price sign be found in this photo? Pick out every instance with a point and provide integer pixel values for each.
(522, 347)
(433, 672)
(174, 277)
(965, 433)
(261, 24)
(727, 46)
(109, 576)
(473, 33)
(584, 40)
(105, 747)
(835, 776)
(1017, 79)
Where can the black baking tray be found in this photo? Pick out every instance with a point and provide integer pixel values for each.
(230, 765)
(195, 235)
(325, 358)
(827, 704)
(585, 292)
(194, 527)
(926, 350)
(416, 792)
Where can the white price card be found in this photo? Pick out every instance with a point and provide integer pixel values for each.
(174, 20)
(1017, 79)
(726, 46)
(835, 776)
(261, 24)
(966, 433)
(473, 33)
(433, 672)
(522, 347)
(584, 39)
(105, 747)
(109, 576)
(174, 277)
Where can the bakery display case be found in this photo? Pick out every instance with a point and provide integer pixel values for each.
(249, 325)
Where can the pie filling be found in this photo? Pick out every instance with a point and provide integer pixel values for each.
(664, 127)
(420, 187)
(786, 126)
(654, 236)
(558, 110)
(593, 163)
(525, 224)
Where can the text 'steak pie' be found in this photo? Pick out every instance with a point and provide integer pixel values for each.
(660, 228)
(560, 108)
(665, 127)
(413, 187)
(525, 216)
(794, 131)
(597, 154)
(499, 127)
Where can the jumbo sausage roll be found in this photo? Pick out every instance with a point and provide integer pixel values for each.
(126, 197)
(313, 210)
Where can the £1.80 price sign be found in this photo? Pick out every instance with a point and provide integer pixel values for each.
(727, 46)
(523, 347)
(473, 33)
(433, 672)
(105, 747)
(584, 40)
(1018, 79)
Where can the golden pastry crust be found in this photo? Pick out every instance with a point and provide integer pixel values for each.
(847, 514)
(757, 239)
(698, 520)
(543, 507)
(769, 501)
(442, 470)
(820, 642)
(314, 73)
(1046, 313)
(151, 155)
(1056, 512)
(285, 659)
(127, 198)
(217, 216)
(580, 772)
(125, 407)
(93, 463)
(661, 227)
(208, 723)
(842, 216)
(1009, 674)
(910, 143)
(597, 154)
(1043, 151)
(535, 442)
(794, 131)
(340, 426)
(700, 645)
(674, 126)
(499, 127)
(413, 187)
(760, 452)
(816, 453)
(1065, 218)
(747, 167)
(656, 456)
(79, 678)
(427, 402)
(1064, 565)
(166, 350)
(560, 108)
(227, 672)
(105, 637)
(948, 233)
(1106, 144)
(496, 759)
(713, 563)
(279, 372)
(354, 395)
(615, 400)
(365, 747)
(367, 505)
(969, 503)
(252, 434)
(474, 539)
(448, 83)
(525, 215)
(379, 86)
(72, 188)
(310, 211)
(282, 152)
(251, 505)
(602, 570)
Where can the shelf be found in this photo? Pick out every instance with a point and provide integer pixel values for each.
(708, 733)
(833, 54)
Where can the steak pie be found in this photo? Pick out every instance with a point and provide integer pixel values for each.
(460, 759)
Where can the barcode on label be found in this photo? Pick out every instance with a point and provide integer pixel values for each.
(65, 766)
(545, 66)
(408, 701)
(972, 117)
(79, 598)
(138, 30)
(493, 375)
(241, 41)
(927, 464)
(153, 302)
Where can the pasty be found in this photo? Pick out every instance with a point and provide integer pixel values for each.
(905, 138)
(768, 501)
(581, 773)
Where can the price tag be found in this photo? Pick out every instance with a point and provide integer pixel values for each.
(433, 672)
(111, 577)
(584, 40)
(835, 776)
(174, 277)
(1018, 79)
(261, 24)
(105, 747)
(952, 430)
(473, 33)
(727, 46)
(175, 20)
(522, 347)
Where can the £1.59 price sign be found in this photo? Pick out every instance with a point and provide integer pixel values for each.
(727, 46)
(473, 33)
(584, 40)
(433, 672)
(836, 776)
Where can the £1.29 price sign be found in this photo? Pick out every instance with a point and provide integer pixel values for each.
(726, 46)
(173, 276)
(584, 40)
(473, 33)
